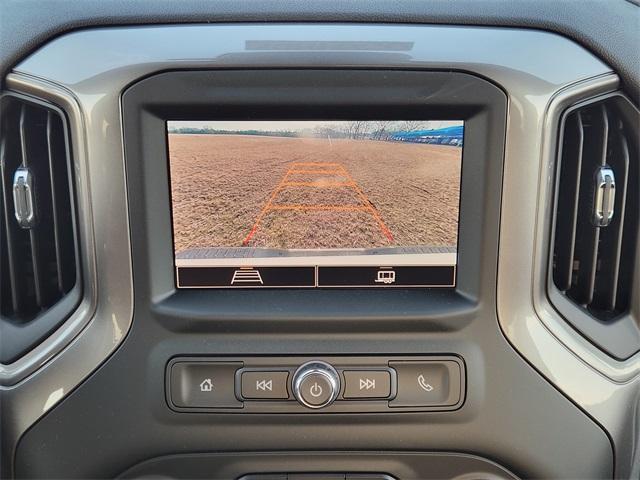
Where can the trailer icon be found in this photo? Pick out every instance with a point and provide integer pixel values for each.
(386, 276)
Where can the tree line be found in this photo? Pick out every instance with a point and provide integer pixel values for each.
(213, 131)
(354, 130)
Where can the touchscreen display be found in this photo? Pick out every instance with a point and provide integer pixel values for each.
(263, 204)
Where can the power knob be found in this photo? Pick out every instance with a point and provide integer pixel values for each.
(316, 384)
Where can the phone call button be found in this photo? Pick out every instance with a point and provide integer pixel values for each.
(427, 383)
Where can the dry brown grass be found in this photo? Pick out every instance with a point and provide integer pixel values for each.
(220, 185)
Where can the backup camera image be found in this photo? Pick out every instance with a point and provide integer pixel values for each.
(309, 193)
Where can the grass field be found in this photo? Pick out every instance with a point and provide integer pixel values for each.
(275, 192)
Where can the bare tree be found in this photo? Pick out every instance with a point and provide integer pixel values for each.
(356, 129)
(412, 125)
(382, 130)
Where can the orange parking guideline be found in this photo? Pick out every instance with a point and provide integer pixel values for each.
(315, 164)
(336, 208)
(318, 184)
(340, 170)
(328, 172)
(264, 210)
(372, 209)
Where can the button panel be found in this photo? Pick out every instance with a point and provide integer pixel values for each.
(352, 384)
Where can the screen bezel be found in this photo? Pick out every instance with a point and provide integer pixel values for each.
(356, 266)
(309, 93)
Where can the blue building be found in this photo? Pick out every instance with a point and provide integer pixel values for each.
(440, 136)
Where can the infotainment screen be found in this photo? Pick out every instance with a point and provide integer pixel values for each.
(264, 204)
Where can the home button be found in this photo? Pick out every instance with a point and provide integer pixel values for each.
(204, 384)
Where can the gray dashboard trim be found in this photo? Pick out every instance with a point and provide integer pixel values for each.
(608, 28)
(36, 382)
(607, 389)
(626, 333)
(538, 87)
(83, 293)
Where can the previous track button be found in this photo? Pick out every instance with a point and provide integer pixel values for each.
(263, 384)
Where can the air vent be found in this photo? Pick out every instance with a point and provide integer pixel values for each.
(596, 217)
(39, 270)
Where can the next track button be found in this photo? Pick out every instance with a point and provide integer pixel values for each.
(367, 384)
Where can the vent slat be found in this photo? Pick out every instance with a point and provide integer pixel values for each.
(603, 118)
(18, 244)
(54, 195)
(63, 218)
(629, 245)
(38, 280)
(568, 202)
(587, 235)
(42, 234)
(585, 260)
(10, 250)
(611, 241)
(6, 301)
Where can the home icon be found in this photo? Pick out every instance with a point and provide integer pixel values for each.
(206, 385)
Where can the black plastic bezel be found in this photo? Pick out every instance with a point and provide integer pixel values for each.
(311, 94)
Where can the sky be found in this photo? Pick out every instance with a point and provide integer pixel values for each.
(289, 125)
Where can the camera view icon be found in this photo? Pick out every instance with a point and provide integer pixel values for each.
(246, 276)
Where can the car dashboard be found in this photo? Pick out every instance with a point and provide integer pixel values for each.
(316, 330)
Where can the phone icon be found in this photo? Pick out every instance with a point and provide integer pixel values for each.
(422, 383)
